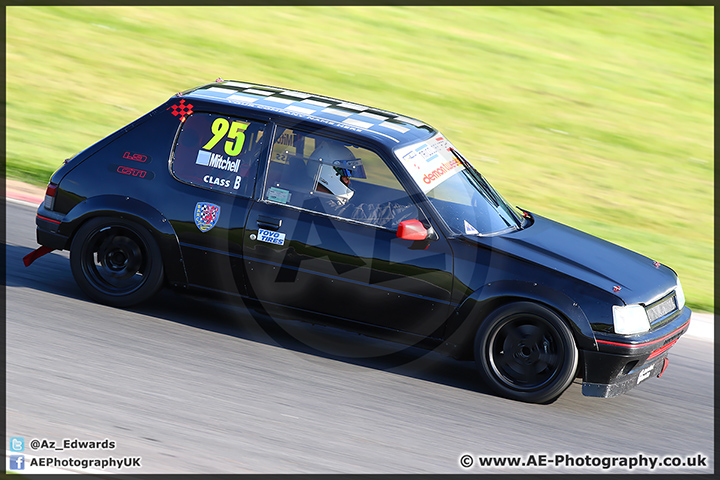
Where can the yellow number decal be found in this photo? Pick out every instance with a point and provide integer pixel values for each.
(219, 128)
(234, 132)
(233, 148)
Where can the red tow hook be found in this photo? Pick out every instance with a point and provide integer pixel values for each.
(665, 364)
(35, 254)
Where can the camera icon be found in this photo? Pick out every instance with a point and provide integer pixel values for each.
(17, 444)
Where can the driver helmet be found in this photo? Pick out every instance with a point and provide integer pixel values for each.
(337, 161)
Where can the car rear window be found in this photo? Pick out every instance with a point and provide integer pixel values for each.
(218, 152)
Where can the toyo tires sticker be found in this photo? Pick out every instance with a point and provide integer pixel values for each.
(269, 236)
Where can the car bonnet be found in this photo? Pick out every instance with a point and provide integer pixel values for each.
(629, 275)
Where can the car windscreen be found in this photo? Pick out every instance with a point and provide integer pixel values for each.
(468, 204)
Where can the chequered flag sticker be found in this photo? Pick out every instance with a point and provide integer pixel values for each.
(181, 110)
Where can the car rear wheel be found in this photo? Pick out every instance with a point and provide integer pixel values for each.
(116, 262)
(526, 352)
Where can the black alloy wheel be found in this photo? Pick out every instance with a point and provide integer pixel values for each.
(526, 352)
(116, 262)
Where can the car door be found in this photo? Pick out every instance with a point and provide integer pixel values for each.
(322, 238)
(215, 162)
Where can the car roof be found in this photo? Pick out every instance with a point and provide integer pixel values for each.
(389, 128)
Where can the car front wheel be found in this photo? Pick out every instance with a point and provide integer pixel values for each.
(116, 262)
(526, 352)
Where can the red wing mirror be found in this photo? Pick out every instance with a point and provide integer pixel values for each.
(412, 230)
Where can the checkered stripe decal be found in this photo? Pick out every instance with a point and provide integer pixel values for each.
(333, 111)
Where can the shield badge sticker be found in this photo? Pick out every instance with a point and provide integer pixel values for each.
(206, 215)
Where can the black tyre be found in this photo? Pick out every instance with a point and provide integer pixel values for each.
(526, 352)
(116, 262)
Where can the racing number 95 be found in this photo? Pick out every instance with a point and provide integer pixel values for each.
(234, 132)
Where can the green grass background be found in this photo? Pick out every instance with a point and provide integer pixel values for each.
(598, 117)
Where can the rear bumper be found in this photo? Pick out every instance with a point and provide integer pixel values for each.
(621, 364)
(46, 232)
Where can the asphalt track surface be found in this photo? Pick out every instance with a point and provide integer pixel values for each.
(200, 386)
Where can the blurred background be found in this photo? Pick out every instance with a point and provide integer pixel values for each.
(598, 117)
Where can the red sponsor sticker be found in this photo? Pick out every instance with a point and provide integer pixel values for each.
(131, 172)
(135, 172)
(138, 157)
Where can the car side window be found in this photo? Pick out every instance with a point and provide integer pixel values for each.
(328, 176)
(218, 152)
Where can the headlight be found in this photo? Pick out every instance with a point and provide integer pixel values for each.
(630, 319)
(679, 295)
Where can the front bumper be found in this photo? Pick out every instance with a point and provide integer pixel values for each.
(621, 363)
(624, 382)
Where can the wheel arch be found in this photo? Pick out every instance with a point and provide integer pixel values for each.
(128, 208)
(468, 316)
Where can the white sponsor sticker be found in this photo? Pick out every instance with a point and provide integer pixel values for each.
(316, 103)
(339, 113)
(353, 106)
(295, 108)
(292, 93)
(430, 163)
(469, 229)
(220, 90)
(240, 98)
(238, 84)
(357, 123)
(645, 373)
(215, 160)
(373, 116)
(286, 101)
(269, 236)
(255, 91)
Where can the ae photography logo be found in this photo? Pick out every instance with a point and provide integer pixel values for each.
(26, 461)
(591, 462)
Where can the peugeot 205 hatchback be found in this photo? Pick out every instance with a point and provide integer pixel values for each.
(360, 217)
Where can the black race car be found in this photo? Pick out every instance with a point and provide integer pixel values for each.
(361, 217)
